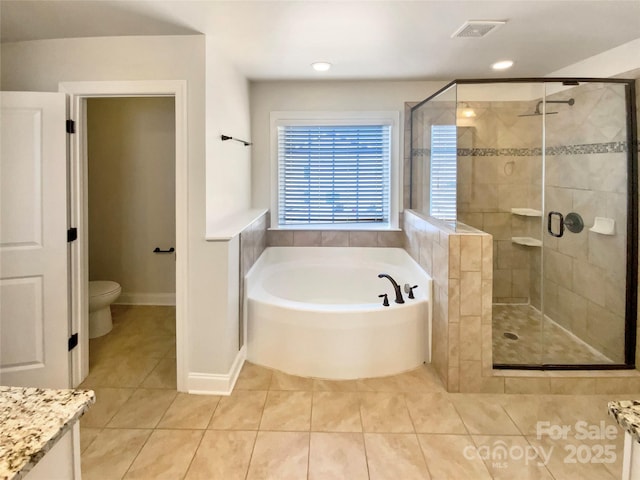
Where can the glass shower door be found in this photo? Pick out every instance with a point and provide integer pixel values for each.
(584, 237)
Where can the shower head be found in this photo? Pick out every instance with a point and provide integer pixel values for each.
(537, 111)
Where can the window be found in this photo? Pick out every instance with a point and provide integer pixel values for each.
(442, 197)
(335, 173)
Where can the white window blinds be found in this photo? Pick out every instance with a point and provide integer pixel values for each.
(333, 174)
(442, 199)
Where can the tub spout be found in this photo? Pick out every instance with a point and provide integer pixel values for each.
(396, 287)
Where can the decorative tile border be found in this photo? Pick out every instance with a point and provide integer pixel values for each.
(582, 149)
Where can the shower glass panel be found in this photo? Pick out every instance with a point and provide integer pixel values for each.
(433, 166)
(585, 209)
(546, 167)
(500, 192)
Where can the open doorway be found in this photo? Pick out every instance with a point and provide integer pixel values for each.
(131, 241)
(81, 94)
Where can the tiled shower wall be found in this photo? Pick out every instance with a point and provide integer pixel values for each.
(499, 168)
(429, 242)
(497, 172)
(462, 351)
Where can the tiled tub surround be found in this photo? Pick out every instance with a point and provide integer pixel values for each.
(253, 241)
(32, 420)
(462, 337)
(335, 238)
(461, 267)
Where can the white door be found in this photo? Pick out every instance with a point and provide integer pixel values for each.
(34, 324)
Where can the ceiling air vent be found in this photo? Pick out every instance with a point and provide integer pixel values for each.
(477, 28)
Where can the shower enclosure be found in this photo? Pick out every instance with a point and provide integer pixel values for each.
(548, 167)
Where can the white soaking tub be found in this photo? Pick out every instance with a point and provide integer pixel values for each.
(315, 312)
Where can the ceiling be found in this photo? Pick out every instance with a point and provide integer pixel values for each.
(390, 39)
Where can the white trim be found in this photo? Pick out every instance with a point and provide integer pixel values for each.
(364, 227)
(78, 93)
(217, 384)
(224, 229)
(130, 298)
(390, 117)
(75, 438)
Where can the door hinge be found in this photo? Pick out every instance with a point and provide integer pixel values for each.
(73, 341)
(72, 234)
(71, 126)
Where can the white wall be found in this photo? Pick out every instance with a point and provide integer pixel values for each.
(228, 183)
(229, 162)
(320, 96)
(611, 63)
(41, 65)
(132, 207)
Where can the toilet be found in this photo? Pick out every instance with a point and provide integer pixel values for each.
(101, 295)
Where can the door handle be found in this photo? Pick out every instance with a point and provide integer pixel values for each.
(550, 222)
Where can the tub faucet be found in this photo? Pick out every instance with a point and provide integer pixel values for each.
(396, 287)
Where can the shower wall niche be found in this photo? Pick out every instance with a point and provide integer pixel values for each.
(548, 169)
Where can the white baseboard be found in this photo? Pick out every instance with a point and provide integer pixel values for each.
(217, 384)
(127, 298)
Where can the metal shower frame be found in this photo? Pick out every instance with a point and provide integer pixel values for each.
(631, 293)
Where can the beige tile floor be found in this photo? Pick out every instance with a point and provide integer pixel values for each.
(280, 427)
(538, 342)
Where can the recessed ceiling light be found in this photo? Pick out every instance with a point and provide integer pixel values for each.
(321, 66)
(502, 65)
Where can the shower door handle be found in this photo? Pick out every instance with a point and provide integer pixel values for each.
(550, 222)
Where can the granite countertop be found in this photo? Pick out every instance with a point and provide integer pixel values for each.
(627, 414)
(32, 420)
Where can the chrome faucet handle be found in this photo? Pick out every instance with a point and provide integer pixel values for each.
(385, 302)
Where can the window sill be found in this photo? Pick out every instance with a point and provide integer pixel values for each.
(364, 227)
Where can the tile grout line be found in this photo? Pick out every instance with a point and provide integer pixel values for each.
(545, 465)
(255, 440)
(364, 442)
(195, 451)
(309, 432)
(137, 454)
(101, 429)
(415, 433)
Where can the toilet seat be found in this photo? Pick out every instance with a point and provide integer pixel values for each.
(102, 287)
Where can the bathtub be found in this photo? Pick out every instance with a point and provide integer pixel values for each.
(315, 312)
